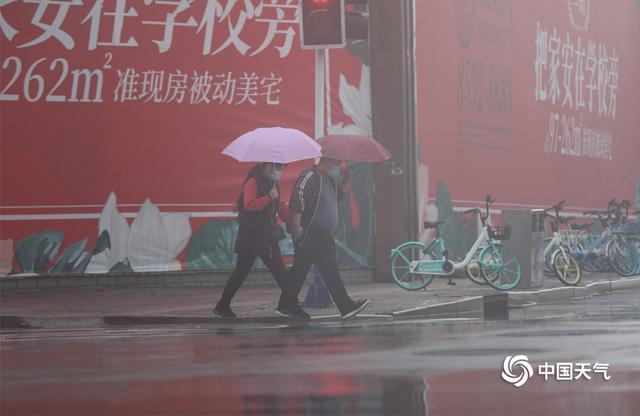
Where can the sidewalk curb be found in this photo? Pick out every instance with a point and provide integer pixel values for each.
(462, 308)
(490, 306)
(13, 322)
(496, 306)
(572, 292)
(186, 320)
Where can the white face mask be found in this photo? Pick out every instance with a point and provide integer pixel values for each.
(335, 171)
(275, 175)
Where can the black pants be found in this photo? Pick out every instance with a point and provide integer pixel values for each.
(272, 258)
(319, 248)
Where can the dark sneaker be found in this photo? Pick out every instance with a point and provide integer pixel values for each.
(292, 312)
(358, 306)
(299, 313)
(284, 311)
(224, 311)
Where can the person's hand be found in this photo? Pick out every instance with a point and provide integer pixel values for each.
(274, 193)
(296, 231)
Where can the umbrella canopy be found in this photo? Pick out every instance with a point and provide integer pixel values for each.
(273, 144)
(353, 147)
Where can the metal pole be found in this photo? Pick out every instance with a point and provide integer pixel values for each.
(327, 86)
(320, 59)
(394, 125)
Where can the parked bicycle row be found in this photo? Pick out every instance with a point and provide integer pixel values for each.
(575, 247)
(571, 248)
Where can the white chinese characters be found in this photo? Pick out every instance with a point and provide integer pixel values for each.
(567, 371)
(163, 87)
(575, 74)
(250, 27)
(517, 370)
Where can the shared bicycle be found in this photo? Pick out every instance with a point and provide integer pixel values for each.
(415, 264)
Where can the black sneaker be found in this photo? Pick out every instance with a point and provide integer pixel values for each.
(292, 312)
(283, 311)
(299, 313)
(224, 311)
(358, 306)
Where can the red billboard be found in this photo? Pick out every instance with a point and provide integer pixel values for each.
(114, 113)
(530, 101)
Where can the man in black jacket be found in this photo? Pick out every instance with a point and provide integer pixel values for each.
(314, 217)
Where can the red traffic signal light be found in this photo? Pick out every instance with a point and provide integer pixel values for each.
(322, 24)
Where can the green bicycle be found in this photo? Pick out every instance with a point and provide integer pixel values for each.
(414, 264)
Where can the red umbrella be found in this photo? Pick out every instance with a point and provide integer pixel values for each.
(353, 147)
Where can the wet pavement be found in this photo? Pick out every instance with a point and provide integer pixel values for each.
(364, 367)
(82, 307)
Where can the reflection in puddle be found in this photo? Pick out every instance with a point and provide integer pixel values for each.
(407, 369)
(461, 393)
(481, 392)
(328, 394)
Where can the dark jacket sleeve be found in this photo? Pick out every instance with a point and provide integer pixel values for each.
(298, 198)
(341, 193)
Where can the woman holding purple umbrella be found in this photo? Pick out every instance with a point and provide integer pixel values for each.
(258, 206)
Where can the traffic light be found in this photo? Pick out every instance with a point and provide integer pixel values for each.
(322, 24)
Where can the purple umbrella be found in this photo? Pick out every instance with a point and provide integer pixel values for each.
(353, 147)
(273, 144)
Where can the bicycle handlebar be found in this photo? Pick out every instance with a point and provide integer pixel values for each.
(557, 207)
(488, 201)
(615, 210)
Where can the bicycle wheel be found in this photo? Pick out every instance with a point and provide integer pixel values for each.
(499, 267)
(594, 258)
(566, 267)
(636, 242)
(596, 263)
(622, 256)
(401, 260)
(473, 270)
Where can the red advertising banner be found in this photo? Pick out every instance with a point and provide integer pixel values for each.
(114, 114)
(532, 102)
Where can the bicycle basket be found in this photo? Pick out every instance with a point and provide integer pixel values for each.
(625, 229)
(500, 233)
(570, 238)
